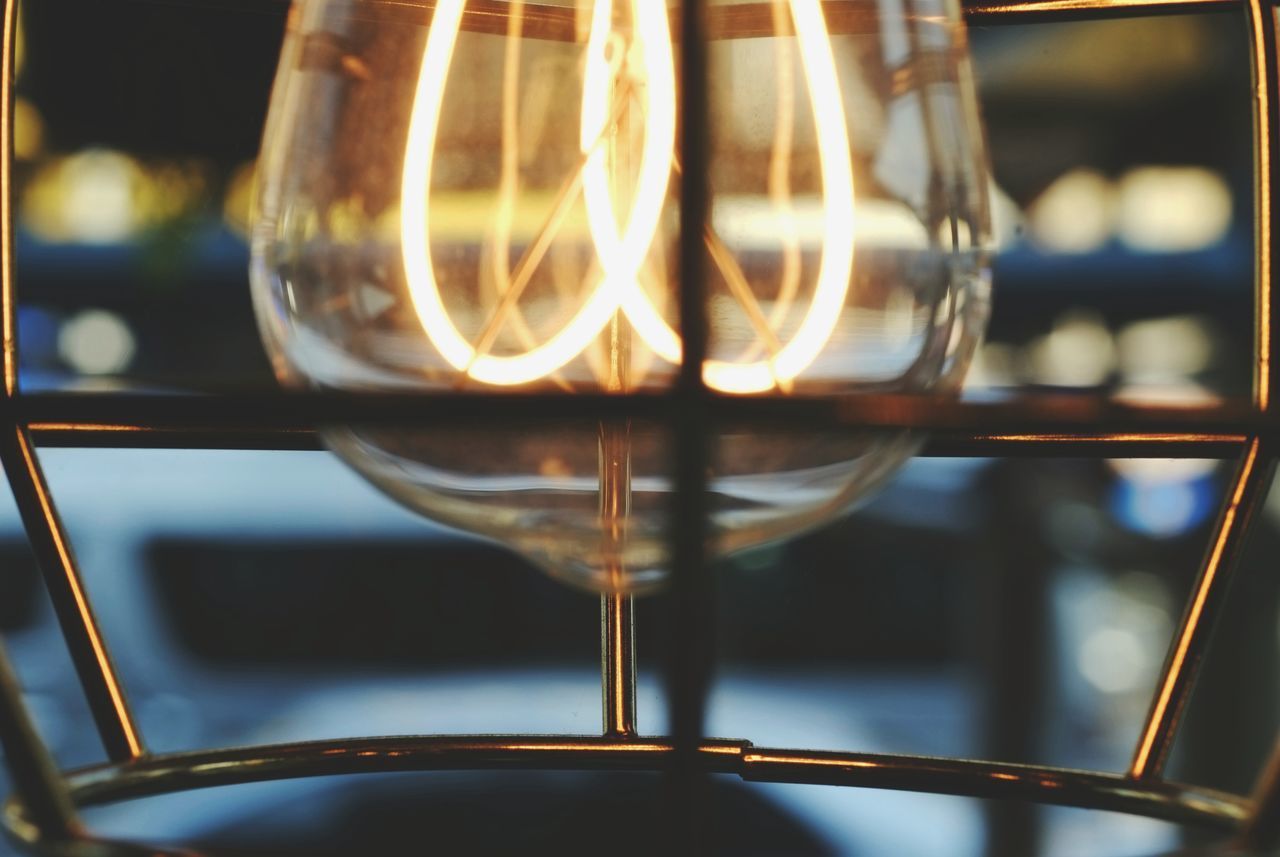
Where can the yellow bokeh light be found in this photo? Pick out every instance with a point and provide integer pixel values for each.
(237, 204)
(28, 130)
(101, 196)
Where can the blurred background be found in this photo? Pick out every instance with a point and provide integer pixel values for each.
(1017, 610)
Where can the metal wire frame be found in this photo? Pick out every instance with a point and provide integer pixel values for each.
(42, 812)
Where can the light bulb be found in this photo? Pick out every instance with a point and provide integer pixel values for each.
(480, 195)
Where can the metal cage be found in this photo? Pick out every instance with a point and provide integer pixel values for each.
(42, 813)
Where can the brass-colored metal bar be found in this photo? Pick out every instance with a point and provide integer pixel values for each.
(617, 612)
(44, 529)
(1266, 152)
(1102, 445)
(8, 300)
(1262, 830)
(263, 7)
(988, 12)
(52, 549)
(162, 774)
(1028, 420)
(1042, 445)
(742, 21)
(90, 436)
(1191, 640)
(40, 789)
(1044, 785)
(618, 664)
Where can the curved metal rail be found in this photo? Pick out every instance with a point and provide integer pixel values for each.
(162, 774)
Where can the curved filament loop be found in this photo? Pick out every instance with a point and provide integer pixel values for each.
(623, 257)
(622, 254)
(424, 290)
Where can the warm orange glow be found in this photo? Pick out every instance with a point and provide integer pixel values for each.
(621, 249)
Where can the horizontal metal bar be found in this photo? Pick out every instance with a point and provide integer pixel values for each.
(1044, 785)
(984, 12)
(1042, 445)
(1059, 418)
(90, 436)
(162, 774)
(746, 22)
(1097, 445)
(277, 8)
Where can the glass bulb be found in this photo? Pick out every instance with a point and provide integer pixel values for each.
(480, 195)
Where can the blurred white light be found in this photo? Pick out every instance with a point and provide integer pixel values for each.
(96, 197)
(1078, 352)
(1173, 209)
(1075, 214)
(103, 197)
(993, 366)
(752, 222)
(1170, 392)
(1164, 349)
(96, 342)
(1158, 471)
(1113, 660)
(1122, 627)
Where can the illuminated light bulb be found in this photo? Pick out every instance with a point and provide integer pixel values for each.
(466, 195)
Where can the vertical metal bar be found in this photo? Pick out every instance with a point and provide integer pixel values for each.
(617, 613)
(1266, 122)
(1014, 637)
(618, 664)
(691, 644)
(617, 628)
(8, 302)
(1262, 831)
(694, 145)
(45, 531)
(36, 780)
(1253, 480)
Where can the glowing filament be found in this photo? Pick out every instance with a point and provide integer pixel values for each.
(621, 249)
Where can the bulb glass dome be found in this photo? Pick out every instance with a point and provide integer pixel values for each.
(482, 196)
